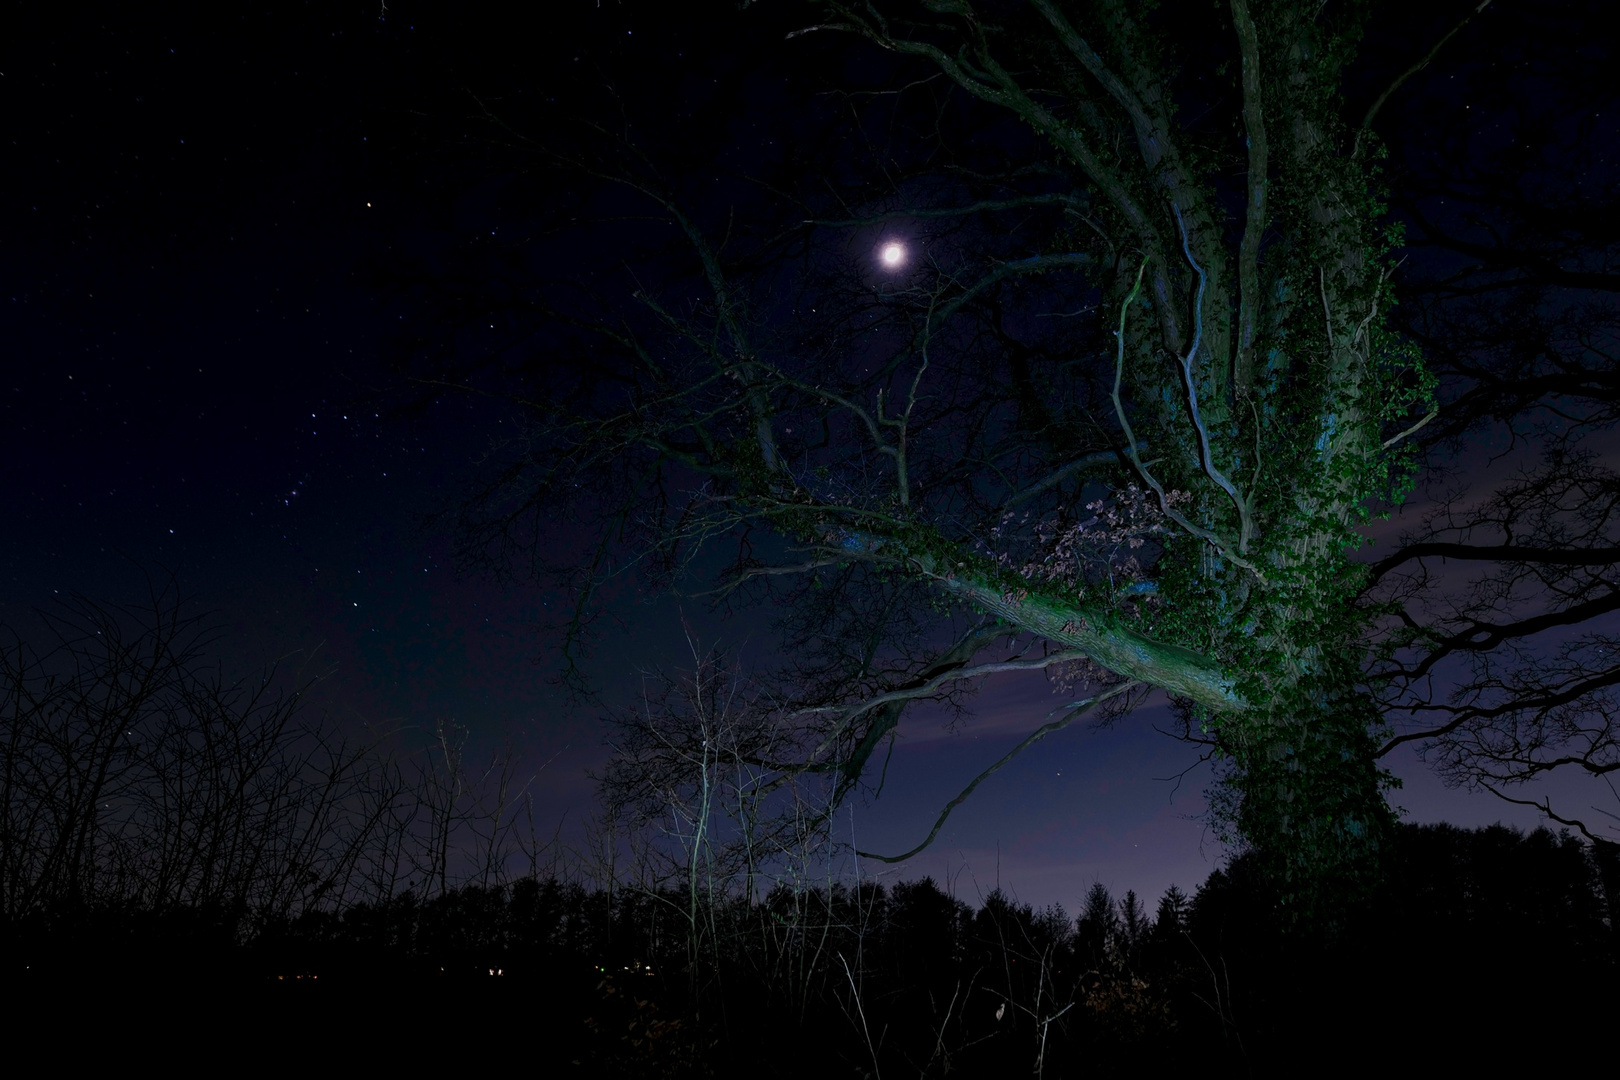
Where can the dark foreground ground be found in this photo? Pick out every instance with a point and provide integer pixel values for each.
(1487, 953)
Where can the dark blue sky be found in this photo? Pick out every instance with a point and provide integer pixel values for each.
(197, 380)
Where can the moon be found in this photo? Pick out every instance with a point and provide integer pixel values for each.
(893, 254)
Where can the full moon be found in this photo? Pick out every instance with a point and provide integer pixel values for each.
(893, 254)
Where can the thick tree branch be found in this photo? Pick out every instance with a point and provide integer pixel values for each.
(1254, 217)
(1496, 553)
(1246, 520)
(1400, 80)
(1134, 451)
(1124, 651)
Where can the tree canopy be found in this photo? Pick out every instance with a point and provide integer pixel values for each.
(1118, 409)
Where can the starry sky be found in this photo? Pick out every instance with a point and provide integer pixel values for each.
(198, 357)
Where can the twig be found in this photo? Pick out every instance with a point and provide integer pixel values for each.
(1392, 440)
(856, 993)
(1076, 710)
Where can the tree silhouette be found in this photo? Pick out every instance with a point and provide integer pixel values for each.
(135, 772)
(1117, 413)
(1500, 656)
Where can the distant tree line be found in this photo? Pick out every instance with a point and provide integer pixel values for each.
(166, 827)
(1472, 928)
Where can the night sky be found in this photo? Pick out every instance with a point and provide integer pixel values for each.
(200, 348)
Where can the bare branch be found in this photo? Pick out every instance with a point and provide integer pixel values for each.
(1071, 713)
(984, 206)
(1400, 80)
(1135, 455)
